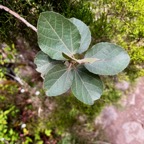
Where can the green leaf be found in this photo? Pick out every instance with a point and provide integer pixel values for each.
(85, 34)
(48, 132)
(56, 34)
(44, 63)
(58, 80)
(86, 87)
(112, 59)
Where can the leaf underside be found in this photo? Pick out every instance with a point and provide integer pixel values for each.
(58, 80)
(56, 34)
(112, 59)
(44, 63)
(86, 87)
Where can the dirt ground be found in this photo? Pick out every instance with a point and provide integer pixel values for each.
(125, 124)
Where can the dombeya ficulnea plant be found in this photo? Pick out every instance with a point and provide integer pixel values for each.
(66, 62)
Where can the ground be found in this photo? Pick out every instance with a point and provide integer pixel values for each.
(125, 124)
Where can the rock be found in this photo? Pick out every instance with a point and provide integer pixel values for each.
(132, 100)
(124, 85)
(133, 133)
(124, 125)
(109, 115)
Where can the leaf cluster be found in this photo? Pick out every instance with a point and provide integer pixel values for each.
(66, 62)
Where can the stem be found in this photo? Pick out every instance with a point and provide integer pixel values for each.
(18, 17)
(69, 67)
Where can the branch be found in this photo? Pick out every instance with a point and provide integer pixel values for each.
(18, 17)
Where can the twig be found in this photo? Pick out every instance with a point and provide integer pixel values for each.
(15, 78)
(18, 17)
(102, 142)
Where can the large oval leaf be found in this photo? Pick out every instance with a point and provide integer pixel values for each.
(44, 63)
(111, 59)
(85, 34)
(58, 80)
(86, 87)
(56, 34)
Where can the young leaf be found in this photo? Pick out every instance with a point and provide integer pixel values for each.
(87, 60)
(80, 61)
(58, 80)
(56, 34)
(86, 87)
(85, 34)
(68, 57)
(112, 59)
(44, 63)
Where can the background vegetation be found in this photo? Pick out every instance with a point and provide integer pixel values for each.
(26, 114)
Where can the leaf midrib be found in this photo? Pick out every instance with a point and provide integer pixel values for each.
(84, 85)
(57, 34)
